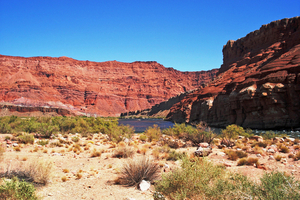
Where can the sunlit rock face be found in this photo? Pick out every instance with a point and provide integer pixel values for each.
(258, 85)
(92, 88)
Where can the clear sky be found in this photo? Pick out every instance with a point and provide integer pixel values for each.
(187, 35)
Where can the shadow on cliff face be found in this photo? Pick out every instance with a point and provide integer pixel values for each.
(258, 86)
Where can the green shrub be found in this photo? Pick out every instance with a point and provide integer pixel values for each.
(153, 133)
(118, 133)
(230, 134)
(75, 139)
(134, 171)
(26, 138)
(174, 155)
(233, 131)
(276, 185)
(200, 179)
(143, 137)
(16, 190)
(43, 142)
(200, 136)
(191, 180)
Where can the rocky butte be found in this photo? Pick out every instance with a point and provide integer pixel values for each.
(258, 85)
(64, 86)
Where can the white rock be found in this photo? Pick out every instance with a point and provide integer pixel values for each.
(271, 157)
(238, 149)
(15, 144)
(221, 153)
(166, 165)
(271, 151)
(144, 185)
(56, 154)
(258, 155)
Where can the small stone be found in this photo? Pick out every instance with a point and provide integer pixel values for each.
(15, 144)
(271, 151)
(271, 157)
(258, 155)
(204, 145)
(50, 194)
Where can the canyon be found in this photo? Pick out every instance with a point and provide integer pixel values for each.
(37, 86)
(257, 86)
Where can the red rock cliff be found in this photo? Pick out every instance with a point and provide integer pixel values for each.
(258, 85)
(105, 89)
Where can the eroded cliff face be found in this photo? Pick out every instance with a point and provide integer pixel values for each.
(84, 87)
(258, 85)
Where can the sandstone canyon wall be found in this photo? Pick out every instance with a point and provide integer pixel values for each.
(258, 85)
(90, 88)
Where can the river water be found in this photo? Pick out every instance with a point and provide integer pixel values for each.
(140, 125)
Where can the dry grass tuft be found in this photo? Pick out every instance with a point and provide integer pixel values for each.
(249, 161)
(297, 156)
(17, 148)
(96, 153)
(35, 170)
(64, 179)
(123, 152)
(134, 171)
(278, 157)
(234, 155)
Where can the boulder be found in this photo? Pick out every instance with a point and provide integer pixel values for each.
(202, 152)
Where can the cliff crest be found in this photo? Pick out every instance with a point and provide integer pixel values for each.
(92, 88)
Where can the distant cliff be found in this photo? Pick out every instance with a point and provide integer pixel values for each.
(258, 85)
(92, 88)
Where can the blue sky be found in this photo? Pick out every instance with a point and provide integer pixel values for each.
(187, 35)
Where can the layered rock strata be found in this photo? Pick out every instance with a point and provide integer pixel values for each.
(258, 85)
(92, 88)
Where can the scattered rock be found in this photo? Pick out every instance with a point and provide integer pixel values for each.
(201, 152)
(15, 144)
(258, 138)
(271, 151)
(204, 145)
(271, 157)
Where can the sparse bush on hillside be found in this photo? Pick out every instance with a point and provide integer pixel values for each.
(190, 133)
(48, 126)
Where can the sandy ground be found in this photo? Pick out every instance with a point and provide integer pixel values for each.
(99, 173)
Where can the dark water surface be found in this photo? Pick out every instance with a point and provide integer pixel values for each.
(140, 125)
